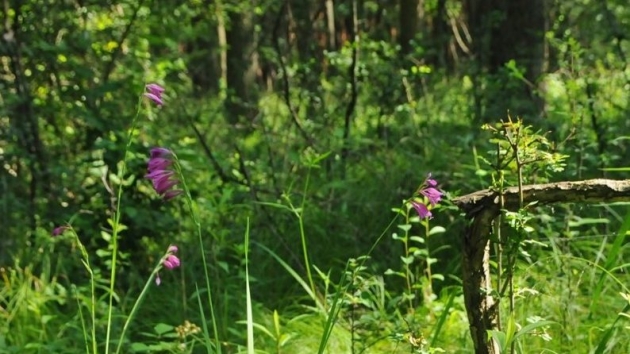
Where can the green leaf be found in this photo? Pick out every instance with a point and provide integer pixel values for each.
(417, 239)
(407, 260)
(405, 227)
(436, 230)
(392, 272)
(611, 258)
(162, 328)
(106, 236)
(499, 337)
(532, 326)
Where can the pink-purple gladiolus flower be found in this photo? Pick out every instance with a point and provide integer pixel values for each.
(161, 173)
(154, 93)
(59, 230)
(170, 262)
(431, 193)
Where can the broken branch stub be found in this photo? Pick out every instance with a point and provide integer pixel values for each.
(481, 209)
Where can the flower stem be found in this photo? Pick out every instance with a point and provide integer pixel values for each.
(300, 215)
(136, 305)
(116, 226)
(195, 216)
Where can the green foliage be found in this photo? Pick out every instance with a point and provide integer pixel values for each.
(304, 141)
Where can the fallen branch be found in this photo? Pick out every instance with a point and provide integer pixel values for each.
(481, 208)
(589, 191)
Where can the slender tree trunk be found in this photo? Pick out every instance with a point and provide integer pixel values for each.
(439, 36)
(242, 62)
(409, 17)
(330, 25)
(203, 52)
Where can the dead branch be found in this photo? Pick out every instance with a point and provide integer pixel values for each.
(481, 209)
(589, 191)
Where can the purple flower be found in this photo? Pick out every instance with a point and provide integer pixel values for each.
(161, 152)
(172, 194)
(170, 261)
(159, 163)
(422, 210)
(431, 193)
(155, 89)
(161, 174)
(154, 93)
(59, 230)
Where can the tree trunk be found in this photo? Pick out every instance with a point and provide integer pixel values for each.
(242, 64)
(480, 305)
(439, 37)
(409, 17)
(503, 31)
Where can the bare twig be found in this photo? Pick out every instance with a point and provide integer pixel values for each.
(285, 76)
(225, 178)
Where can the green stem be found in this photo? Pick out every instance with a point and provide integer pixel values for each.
(303, 234)
(115, 227)
(428, 270)
(197, 222)
(407, 267)
(136, 305)
(88, 267)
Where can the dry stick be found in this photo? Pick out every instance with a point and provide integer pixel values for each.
(481, 209)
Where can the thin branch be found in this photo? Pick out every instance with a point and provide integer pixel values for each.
(225, 178)
(109, 68)
(271, 220)
(285, 76)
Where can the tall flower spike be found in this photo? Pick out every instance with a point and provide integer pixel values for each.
(429, 191)
(154, 93)
(160, 172)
